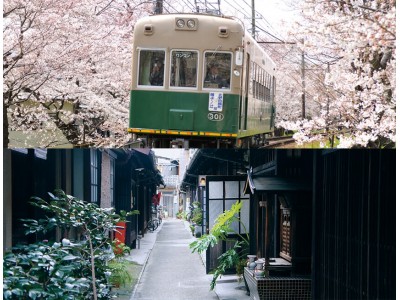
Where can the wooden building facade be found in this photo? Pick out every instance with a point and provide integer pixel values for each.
(324, 220)
(123, 179)
(354, 225)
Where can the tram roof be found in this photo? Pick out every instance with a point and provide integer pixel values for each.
(222, 20)
(173, 15)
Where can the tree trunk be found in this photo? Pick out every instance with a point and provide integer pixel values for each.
(93, 267)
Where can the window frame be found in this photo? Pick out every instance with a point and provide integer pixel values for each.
(197, 70)
(112, 181)
(156, 87)
(94, 178)
(205, 72)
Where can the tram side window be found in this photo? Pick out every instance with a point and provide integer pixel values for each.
(184, 68)
(260, 86)
(217, 70)
(151, 67)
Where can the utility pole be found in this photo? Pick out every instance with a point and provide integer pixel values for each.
(329, 70)
(303, 84)
(212, 7)
(158, 9)
(253, 20)
(331, 137)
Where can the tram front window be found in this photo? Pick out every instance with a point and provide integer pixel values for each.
(217, 70)
(151, 67)
(183, 68)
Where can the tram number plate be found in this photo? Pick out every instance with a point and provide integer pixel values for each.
(215, 101)
(215, 116)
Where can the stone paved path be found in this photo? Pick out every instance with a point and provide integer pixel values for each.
(172, 271)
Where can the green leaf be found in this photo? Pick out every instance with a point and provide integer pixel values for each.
(7, 294)
(35, 293)
(220, 231)
(17, 292)
(59, 273)
(72, 261)
(70, 257)
(11, 259)
(202, 243)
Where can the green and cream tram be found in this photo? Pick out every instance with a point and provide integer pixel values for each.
(199, 80)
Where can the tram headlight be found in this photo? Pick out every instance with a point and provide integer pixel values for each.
(191, 23)
(180, 23)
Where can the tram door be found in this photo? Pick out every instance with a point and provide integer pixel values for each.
(221, 193)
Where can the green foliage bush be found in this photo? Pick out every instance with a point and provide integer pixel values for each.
(234, 257)
(191, 229)
(197, 216)
(66, 269)
(120, 249)
(119, 273)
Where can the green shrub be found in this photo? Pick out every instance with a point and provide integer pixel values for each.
(66, 269)
(120, 249)
(191, 228)
(119, 273)
(179, 215)
(234, 257)
(197, 217)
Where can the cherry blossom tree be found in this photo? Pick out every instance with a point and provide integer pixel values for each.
(354, 41)
(66, 66)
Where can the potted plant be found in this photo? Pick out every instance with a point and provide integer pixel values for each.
(120, 231)
(197, 218)
(232, 258)
(191, 229)
(120, 249)
(119, 273)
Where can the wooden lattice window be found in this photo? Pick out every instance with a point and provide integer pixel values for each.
(285, 234)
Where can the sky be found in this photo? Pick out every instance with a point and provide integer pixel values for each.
(275, 13)
(171, 153)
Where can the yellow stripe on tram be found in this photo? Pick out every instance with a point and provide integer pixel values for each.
(186, 133)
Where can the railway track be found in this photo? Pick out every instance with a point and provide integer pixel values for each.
(275, 142)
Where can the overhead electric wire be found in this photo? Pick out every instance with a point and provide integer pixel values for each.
(315, 76)
(268, 25)
(259, 16)
(270, 34)
(240, 5)
(247, 16)
(209, 7)
(170, 7)
(242, 10)
(244, 15)
(192, 7)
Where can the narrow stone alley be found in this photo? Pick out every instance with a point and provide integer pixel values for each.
(172, 271)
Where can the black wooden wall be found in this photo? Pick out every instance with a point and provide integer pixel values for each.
(354, 225)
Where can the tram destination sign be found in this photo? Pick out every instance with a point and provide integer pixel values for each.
(215, 101)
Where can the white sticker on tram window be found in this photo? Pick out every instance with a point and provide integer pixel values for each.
(215, 101)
